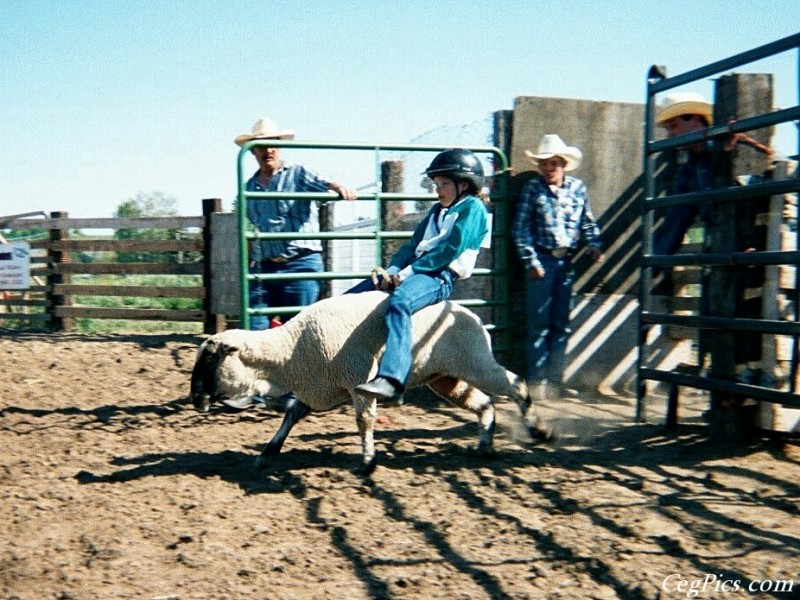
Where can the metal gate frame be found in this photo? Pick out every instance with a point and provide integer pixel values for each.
(500, 196)
(657, 82)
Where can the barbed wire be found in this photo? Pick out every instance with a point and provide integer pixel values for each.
(476, 133)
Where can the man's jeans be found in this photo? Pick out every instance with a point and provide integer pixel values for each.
(266, 294)
(414, 294)
(548, 303)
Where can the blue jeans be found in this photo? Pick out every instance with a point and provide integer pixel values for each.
(548, 303)
(414, 294)
(266, 294)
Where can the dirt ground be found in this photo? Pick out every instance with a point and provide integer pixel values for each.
(113, 486)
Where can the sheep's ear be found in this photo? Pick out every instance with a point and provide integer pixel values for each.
(228, 348)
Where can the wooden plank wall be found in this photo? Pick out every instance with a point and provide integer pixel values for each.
(49, 302)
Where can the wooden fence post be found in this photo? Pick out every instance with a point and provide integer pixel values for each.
(54, 258)
(326, 224)
(212, 323)
(391, 211)
(733, 228)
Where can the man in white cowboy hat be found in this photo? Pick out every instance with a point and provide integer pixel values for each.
(282, 216)
(552, 215)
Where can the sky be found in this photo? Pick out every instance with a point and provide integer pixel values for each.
(101, 100)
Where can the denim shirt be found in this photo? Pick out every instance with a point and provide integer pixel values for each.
(695, 174)
(285, 215)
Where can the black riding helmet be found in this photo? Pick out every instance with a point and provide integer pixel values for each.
(458, 164)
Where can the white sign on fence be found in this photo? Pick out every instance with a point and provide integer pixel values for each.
(15, 266)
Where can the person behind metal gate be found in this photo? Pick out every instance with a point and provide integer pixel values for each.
(681, 113)
(281, 216)
(442, 250)
(699, 169)
(552, 215)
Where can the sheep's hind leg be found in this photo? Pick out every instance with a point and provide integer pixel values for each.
(464, 395)
(366, 410)
(501, 382)
(296, 411)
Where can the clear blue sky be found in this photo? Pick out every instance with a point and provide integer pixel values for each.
(102, 99)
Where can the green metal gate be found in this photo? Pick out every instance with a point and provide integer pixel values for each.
(499, 194)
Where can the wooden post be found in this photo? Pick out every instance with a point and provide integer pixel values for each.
(737, 96)
(212, 323)
(326, 223)
(502, 254)
(392, 212)
(54, 258)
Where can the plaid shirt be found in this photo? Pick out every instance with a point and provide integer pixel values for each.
(548, 219)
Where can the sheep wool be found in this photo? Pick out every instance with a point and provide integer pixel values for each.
(332, 346)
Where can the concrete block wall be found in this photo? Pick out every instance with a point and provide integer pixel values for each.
(603, 348)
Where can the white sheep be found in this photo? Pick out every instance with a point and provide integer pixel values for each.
(332, 346)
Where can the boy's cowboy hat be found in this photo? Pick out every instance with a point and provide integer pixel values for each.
(684, 103)
(552, 145)
(265, 128)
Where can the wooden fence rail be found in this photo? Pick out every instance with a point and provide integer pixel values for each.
(49, 303)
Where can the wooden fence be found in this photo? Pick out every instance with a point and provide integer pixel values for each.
(49, 301)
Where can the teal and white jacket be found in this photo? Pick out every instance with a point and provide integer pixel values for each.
(446, 237)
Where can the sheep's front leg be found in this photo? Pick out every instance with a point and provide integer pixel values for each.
(295, 412)
(366, 410)
(460, 393)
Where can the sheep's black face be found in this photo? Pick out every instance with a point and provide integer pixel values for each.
(204, 385)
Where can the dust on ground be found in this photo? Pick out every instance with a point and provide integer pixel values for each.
(113, 486)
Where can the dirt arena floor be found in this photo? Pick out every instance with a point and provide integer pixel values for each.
(112, 486)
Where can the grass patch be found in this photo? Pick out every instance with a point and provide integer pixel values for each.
(91, 325)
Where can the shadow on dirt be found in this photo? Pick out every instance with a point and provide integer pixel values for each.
(444, 451)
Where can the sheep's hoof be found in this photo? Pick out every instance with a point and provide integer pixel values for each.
(266, 457)
(542, 433)
(262, 462)
(368, 468)
(485, 451)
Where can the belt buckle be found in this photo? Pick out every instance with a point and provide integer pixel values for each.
(559, 252)
(278, 260)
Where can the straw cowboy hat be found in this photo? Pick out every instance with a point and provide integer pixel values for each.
(265, 128)
(552, 145)
(684, 103)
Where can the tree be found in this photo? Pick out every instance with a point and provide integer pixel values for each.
(154, 204)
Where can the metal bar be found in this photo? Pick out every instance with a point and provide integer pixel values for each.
(796, 341)
(244, 254)
(742, 192)
(324, 235)
(720, 385)
(280, 310)
(718, 323)
(724, 259)
(329, 196)
(357, 146)
(330, 275)
(726, 64)
(645, 280)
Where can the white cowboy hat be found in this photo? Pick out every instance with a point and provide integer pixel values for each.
(684, 103)
(265, 128)
(552, 145)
